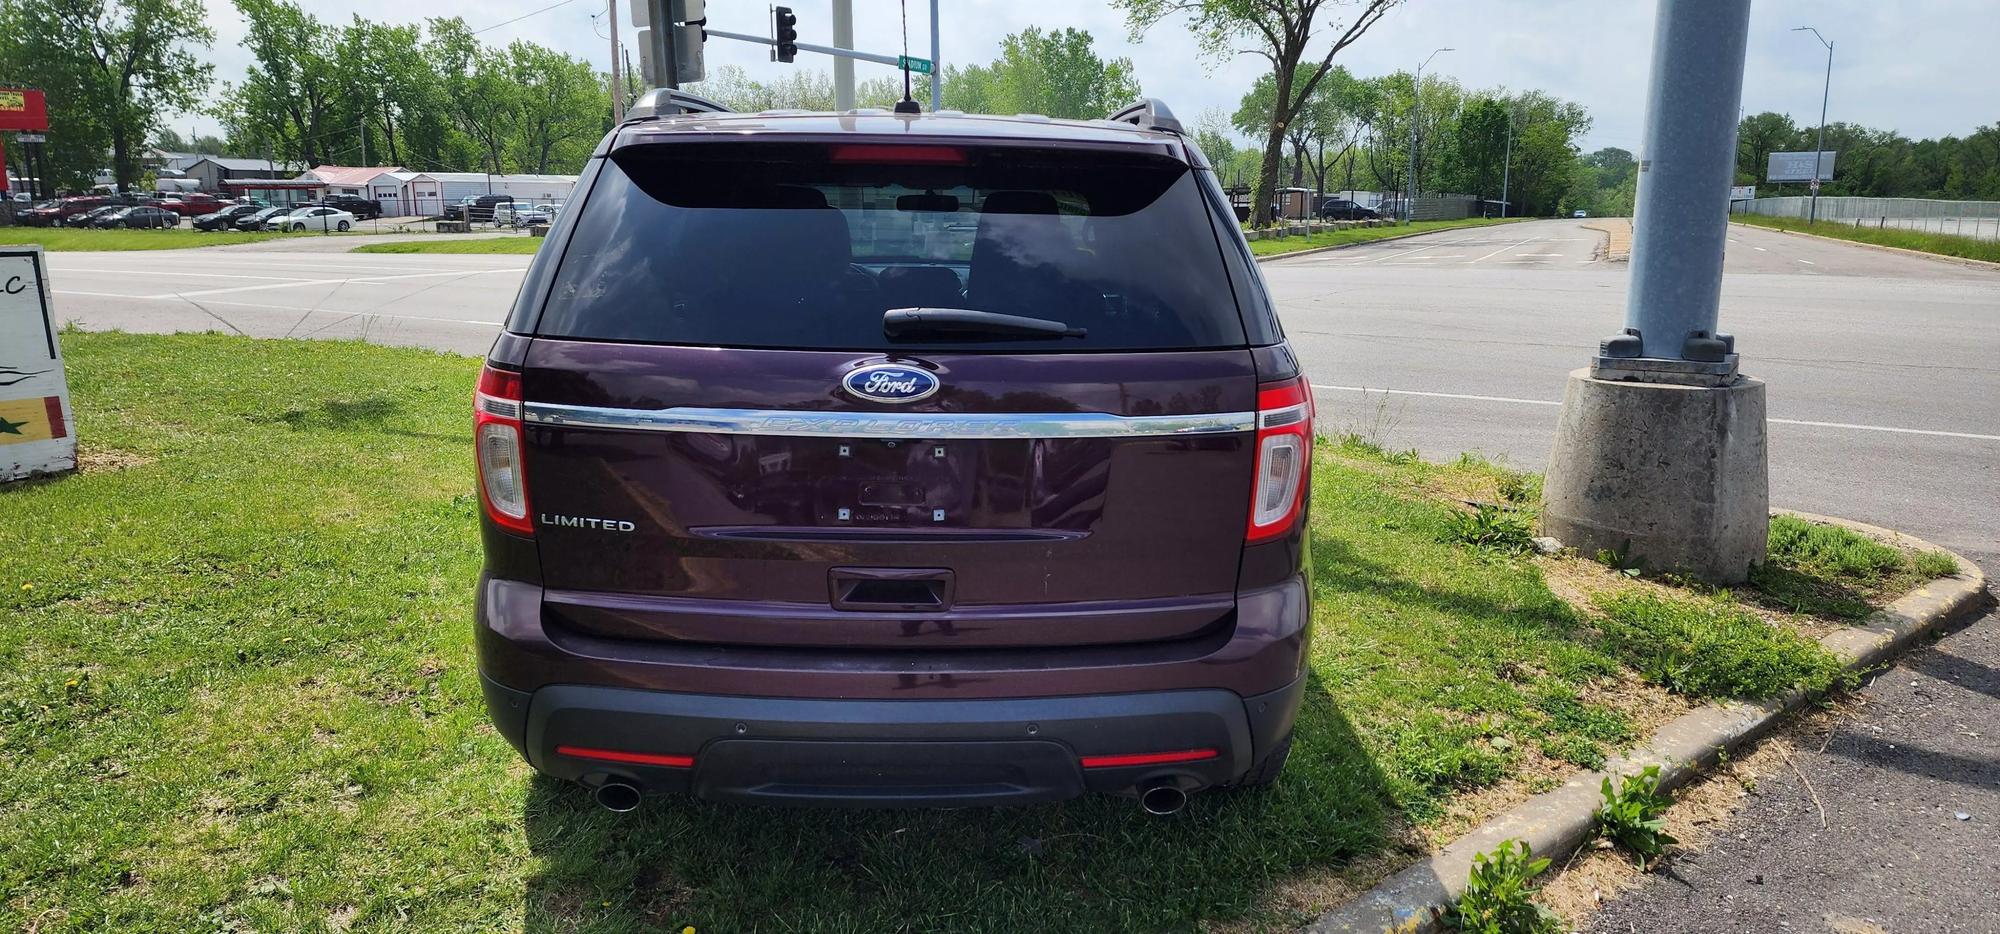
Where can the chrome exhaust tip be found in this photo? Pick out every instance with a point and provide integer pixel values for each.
(1162, 800)
(617, 797)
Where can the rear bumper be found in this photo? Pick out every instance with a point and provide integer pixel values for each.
(947, 753)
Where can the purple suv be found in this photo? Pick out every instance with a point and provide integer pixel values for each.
(887, 459)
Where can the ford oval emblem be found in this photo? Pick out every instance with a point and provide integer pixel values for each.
(890, 382)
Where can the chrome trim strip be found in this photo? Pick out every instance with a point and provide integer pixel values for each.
(938, 425)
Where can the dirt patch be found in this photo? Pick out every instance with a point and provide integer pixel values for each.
(1303, 897)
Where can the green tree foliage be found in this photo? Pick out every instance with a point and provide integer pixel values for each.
(1876, 163)
(1056, 73)
(1326, 128)
(427, 96)
(112, 69)
(1605, 183)
(1278, 30)
(800, 89)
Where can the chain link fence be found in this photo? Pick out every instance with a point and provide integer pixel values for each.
(1978, 219)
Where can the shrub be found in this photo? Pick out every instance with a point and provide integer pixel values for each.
(1634, 815)
(1936, 564)
(1490, 526)
(1498, 896)
(1708, 648)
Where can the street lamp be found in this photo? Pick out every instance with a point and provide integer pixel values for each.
(1819, 146)
(1416, 102)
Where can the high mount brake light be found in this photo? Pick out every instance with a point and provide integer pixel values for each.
(897, 153)
(1284, 451)
(496, 428)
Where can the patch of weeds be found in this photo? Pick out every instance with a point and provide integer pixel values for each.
(1935, 564)
(1490, 526)
(1499, 895)
(1826, 570)
(1429, 759)
(1620, 561)
(1830, 551)
(1575, 729)
(1706, 648)
(1634, 815)
(1520, 488)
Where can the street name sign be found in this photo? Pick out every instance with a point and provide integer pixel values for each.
(35, 418)
(920, 66)
(1798, 166)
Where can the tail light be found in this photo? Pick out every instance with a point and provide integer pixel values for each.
(1284, 448)
(496, 427)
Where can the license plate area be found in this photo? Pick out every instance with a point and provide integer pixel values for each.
(894, 484)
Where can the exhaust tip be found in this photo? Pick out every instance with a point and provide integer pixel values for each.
(1162, 800)
(617, 797)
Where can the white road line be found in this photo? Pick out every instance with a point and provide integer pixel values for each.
(1808, 262)
(1504, 249)
(358, 280)
(1734, 240)
(163, 272)
(1538, 254)
(1775, 421)
(1761, 249)
(285, 309)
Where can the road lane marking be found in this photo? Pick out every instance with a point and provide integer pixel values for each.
(287, 310)
(1808, 262)
(1760, 249)
(163, 272)
(1538, 254)
(1775, 421)
(1510, 246)
(357, 280)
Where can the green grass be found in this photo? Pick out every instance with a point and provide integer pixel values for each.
(237, 691)
(1708, 647)
(1365, 234)
(88, 239)
(518, 245)
(1826, 570)
(1940, 243)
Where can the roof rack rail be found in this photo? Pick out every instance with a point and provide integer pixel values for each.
(1149, 113)
(669, 102)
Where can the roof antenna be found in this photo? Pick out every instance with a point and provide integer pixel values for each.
(907, 105)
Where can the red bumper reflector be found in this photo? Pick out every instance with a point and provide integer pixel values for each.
(635, 758)
(1148, 758)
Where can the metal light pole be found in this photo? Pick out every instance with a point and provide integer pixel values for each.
(617, 82)
(843, 68)
(1507, 163)
(1660, 451)
(937, 68)
(1416, 105)
(1819, 145)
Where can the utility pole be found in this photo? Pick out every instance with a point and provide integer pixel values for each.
(1416, 109)
(1660, 446)
(937, 65)
(617, 85)
(1819, 145)
(1507, 163)
(843, 67)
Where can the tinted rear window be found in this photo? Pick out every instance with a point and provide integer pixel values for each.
(804, 246)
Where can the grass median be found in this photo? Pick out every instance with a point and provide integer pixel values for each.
(1942, 244)
(87, 239)
(514, 245)
(1365, 234)
(237, 692)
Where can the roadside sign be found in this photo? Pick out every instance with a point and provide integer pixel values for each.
(1797, 166)
(1743, 193)
(35, 418)
(921, 66)
(31, 138)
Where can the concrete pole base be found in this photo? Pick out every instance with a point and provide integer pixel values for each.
(1671, 477)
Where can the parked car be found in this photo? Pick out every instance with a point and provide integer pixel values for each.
(225, 217)
(362, 208)
(507, 214)
(55, 215)
(145, 216)
(1341, 209)
(477, 209)
(1579, 213)
(257, 219)
(89, 218)
(312, 217)
(192, 204)
(778, 507)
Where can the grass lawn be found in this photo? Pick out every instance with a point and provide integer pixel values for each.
(237, 692)
(1365, 234)
(89, 239)
(521, 245)
(1940, 243)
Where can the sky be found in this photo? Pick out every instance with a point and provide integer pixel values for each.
(1924, 69)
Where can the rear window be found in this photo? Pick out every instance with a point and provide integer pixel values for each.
(805, 246)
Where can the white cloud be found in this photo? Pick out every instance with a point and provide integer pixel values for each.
(1922, 69)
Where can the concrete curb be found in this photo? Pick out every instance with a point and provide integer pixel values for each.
(1557, 822)
(1342, 246)
(1940, 257)
(1617, 233)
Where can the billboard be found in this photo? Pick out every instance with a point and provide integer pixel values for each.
(1742, 192)
(1798, 167)
(23, 109)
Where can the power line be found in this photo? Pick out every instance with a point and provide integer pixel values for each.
(558, 3)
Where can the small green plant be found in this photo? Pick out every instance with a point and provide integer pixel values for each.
(1634, 815)
(1520, 488)
(1490, 526)
(1935, 564)
(1498, 896)
(1707, 648)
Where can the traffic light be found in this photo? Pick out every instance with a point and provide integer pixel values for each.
(785, 30)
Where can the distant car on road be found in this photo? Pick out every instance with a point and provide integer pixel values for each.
(1341, 209)
(1579, 214)
(319, 217)
(256, 219)
(476, 209)
(144, 216)
(519, 215)
(225, 218)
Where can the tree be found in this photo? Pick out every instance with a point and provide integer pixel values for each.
(112, 70)
(557, 117)
(1481, 146)
(1280, 30)
(1056, 73)
(1757, 137)
(1335, 115)
(283, 104)
(732, 87)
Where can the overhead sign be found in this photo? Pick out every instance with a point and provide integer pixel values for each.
(1743, 193)
(1798, 167)
(35, 419)
(920, 66)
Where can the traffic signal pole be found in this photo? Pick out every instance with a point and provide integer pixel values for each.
(1660, 447)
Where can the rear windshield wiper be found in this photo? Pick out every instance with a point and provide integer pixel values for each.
(969, 324)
